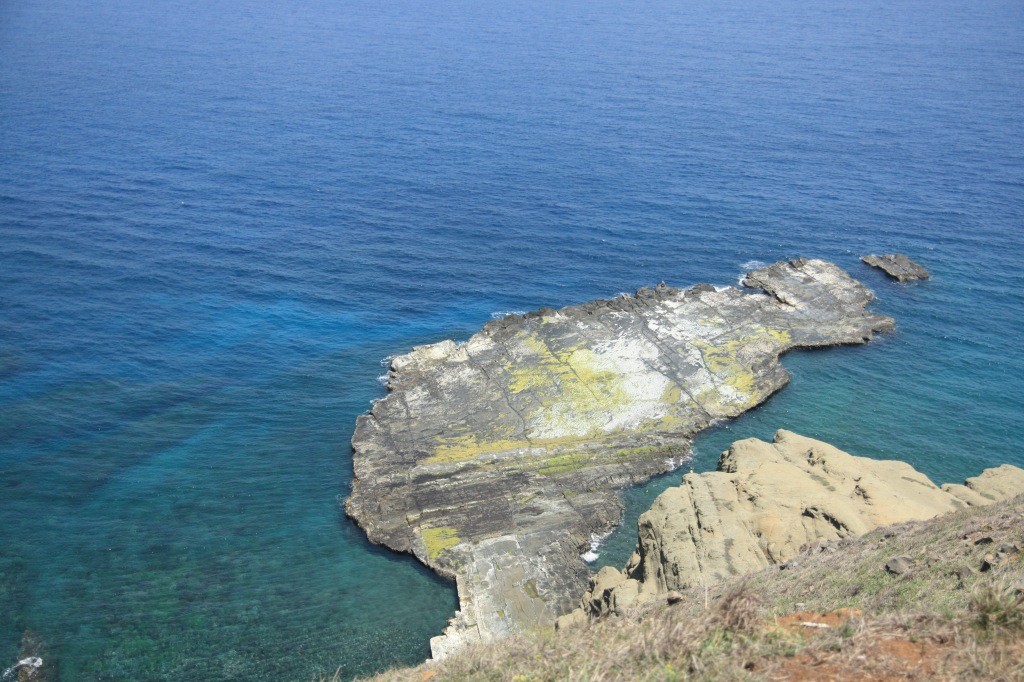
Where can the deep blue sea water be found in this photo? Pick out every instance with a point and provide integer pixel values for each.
(218, 217)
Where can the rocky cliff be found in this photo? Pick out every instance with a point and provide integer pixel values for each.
(842, 610)
(765, 504)
(494, 461)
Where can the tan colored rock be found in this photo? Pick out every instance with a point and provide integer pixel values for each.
(968, 495)
(601, 586)
(766, 502)
(573, 619)
(992, 485)
(625, 595)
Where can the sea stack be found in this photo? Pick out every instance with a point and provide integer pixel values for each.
(496, 460)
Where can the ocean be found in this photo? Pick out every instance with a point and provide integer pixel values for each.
(218, 219)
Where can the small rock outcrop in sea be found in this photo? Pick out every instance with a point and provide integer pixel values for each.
(897, 266)
(34, 663)
(496, 460)
(768, 501)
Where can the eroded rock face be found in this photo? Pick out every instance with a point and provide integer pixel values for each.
(495, 460)
(765, 503)
(897, 266)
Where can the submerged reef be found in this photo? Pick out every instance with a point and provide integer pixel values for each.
(494, 461)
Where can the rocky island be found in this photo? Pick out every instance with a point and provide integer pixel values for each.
(495, 461)
(897, 266)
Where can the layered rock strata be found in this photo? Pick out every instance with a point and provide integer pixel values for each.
(766, 503)
(495, 461)
(897, 266)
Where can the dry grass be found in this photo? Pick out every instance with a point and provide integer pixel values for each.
(999, 605)
(668, 645)
(739, 610)
(937, 621)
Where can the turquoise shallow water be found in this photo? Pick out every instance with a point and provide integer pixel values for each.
(217, 218)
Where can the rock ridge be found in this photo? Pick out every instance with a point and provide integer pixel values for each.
(494, 461)
(765, 504)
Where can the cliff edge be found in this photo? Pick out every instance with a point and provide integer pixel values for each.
(940, 599)
(766, 503)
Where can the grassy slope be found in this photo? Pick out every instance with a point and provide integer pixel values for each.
(927, 623)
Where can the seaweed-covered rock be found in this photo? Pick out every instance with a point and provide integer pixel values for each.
(496, 460)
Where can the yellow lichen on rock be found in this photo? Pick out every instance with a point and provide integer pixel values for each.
(438, 540)
(729, 362)
(572, 384)
(466, 448)
(672, 395)
(563, 463)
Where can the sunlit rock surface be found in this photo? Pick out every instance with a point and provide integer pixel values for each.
(495, 460)
(764, 505)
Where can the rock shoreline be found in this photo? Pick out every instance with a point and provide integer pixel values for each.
(495, 460)
(764, 505)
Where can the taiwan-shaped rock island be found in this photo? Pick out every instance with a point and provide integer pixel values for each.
(496, 460)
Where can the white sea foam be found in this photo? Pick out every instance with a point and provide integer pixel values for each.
(385, 362)
(747, 267)
(505, 313)
(32, 663)
(595, 542)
